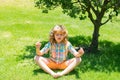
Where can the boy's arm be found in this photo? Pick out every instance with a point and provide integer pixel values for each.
(38, 45)
(38, 52)
(80, 52)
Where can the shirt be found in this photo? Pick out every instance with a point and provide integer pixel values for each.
(58, 52)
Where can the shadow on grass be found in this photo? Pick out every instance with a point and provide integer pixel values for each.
(107, 60)
(73, 72)
(38, 71)
(29, 52)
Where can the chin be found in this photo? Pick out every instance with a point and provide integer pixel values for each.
(59, 41)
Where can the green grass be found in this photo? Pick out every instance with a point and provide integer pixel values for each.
(21, 25)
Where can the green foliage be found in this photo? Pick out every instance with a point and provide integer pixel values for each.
(76, 8)
(96, 10)
(21, 25)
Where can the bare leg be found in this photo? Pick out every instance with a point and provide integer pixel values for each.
(71, 66)
(41, 62)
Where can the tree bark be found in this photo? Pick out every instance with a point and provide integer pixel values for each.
(94, 43)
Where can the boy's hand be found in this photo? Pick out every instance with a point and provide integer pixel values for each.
(81, 51)
(38, 45)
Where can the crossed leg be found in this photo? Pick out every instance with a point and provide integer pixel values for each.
(41, 61)
(71, 64)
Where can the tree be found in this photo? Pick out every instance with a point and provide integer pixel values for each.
(95, 10)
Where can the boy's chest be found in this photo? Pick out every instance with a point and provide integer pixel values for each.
(58, 49)
(58, 52)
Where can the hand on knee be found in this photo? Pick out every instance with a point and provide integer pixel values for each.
(78, 60)
(36, 58)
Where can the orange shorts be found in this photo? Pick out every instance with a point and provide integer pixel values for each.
(53, 65)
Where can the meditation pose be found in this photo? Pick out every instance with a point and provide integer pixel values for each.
(58, 47)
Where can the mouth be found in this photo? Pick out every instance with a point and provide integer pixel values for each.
(59, 38)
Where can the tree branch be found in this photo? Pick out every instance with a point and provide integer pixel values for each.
(90, 15)
(104, 7)
(107, 19)
(81, 4)
(93, 9)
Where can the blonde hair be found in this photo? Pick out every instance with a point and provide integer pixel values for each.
(58, 28)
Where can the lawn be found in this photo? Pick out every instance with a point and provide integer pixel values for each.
(22, 24)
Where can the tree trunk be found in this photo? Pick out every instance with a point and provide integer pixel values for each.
(94, 43)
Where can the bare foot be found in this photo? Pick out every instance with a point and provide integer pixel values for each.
(59, 74)
(54, 75)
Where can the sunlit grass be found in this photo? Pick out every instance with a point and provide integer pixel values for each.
(21, 25)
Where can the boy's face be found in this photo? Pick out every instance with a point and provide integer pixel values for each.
(59, 36)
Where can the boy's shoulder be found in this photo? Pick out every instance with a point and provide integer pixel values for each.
(48, 44)
(68, 43)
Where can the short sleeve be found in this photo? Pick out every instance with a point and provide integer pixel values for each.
(46, 48)
(71, 49)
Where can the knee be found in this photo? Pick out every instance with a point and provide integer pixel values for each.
(78, 60)
(36, 58)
